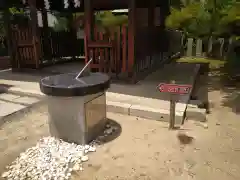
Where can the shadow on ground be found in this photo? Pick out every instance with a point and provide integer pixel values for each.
(112, 131)
(224, 79)
(4, 88)
(36, 75)
(185, 139)
(181, 73)
(228, 83)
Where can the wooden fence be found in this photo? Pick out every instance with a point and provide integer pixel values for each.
(60, 44)
(25, 48)
(109, 50)
(34, 51)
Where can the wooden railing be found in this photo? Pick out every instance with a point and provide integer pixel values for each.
(25, 47)
(35, 51)
(109, 50)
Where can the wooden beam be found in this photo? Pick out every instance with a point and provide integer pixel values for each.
(33, 15)
(131, 36)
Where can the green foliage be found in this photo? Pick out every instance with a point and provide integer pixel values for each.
(105, 20)
(213, 63)
(230, 18)
(192, 19)
(18, 16)
(209, 18)
(61, 24)
(14, 11)
(108, 19)
(178, 4)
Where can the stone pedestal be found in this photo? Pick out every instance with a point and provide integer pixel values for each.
(77, 107)
(77, 119)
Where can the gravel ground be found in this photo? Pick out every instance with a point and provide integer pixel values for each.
(145, 149)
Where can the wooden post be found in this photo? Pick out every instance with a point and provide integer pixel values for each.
(73, 34)
(172, 109)
(151, 28)
(124, 48)
(9, 37)
(88, 25)
(34, 26)
(131, 35)
(47, 49)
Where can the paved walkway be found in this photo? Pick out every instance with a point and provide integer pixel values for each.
(142, 99)
(11, 103)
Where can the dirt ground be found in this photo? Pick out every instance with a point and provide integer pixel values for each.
(145, 149)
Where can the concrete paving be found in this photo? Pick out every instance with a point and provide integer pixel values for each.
(26, 100)
(142, 100)
(11, 103)
(7, 108)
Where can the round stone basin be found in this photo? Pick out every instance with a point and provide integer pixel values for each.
(67, 85)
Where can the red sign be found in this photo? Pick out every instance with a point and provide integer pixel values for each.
(174, 88)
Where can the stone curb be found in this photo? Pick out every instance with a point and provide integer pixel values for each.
(155, 114)
(117, 107)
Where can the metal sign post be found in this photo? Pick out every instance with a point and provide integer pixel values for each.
(172, 109)
(173, 89)
(172, 112)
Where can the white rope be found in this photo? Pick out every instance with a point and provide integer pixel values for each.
(77, 3)
(66, 4)
(47, 4)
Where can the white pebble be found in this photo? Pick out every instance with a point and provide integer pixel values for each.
(86, 147)
(51, 158)
(76, 167)
(5, 174)
(84, 158)
(92, 149)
